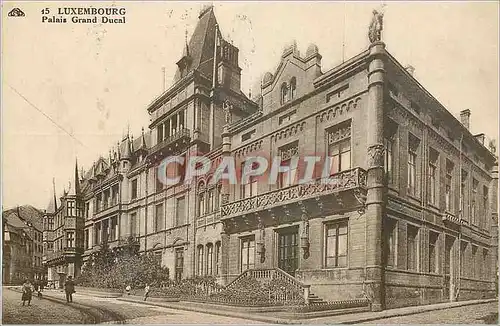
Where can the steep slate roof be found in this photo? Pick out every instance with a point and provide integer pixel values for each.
(26, 214)
(201, 45)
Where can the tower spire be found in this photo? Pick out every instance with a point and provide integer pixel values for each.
(77, 180)
(54, 193)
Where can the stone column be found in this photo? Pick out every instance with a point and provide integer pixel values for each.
(170, 128)
(375, 201)
(226, 151)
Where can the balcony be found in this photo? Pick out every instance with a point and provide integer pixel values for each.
(346, 190)
(171, 144)
(450, 218)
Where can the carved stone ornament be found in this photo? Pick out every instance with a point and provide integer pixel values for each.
(227, 107)
(376, 27)
(376, 155)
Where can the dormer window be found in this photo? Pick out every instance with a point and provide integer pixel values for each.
(293, 88)
(284, 93)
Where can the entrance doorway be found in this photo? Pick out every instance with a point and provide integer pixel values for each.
(288, 251)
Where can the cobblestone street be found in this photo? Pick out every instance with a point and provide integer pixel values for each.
(473, 314)
(40, 312)
(44, 311)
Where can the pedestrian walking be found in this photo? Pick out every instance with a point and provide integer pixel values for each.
(27, 292)
(69, 288)
(127, 289)
(146, 291)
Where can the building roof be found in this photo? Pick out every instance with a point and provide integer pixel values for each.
(200, 48)
(20, 217)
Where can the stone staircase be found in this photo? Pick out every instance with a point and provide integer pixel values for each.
(314, 299)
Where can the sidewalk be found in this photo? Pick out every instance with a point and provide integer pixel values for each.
(348, 318)
(371, 316)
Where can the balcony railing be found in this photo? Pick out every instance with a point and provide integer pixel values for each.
(180, 134)
(342, 181)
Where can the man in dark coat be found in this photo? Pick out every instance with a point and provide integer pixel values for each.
(69, 288)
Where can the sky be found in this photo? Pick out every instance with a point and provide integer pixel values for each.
(95, 81)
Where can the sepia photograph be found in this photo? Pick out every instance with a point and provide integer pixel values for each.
(238, 163)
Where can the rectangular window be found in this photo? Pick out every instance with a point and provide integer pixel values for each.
(389, 146)
(158, 184)
(413, 144)
(285, 118)
(200, 260)
(463, 260)
(391, 242)
(248, 135)
(249, 187)
(339, 147)
(87, 210)
(433, 176)
(485, 207)
(114, 195)
(473, 212)
(473, 262)
(180, 211)
(159, 130)
(114, 229)
(433, 252)
(201, 204)
(179, 263)
(247, 253)
(70, 237)
(217, 258)
(336, 245)
(412, 247)
(159, 218)
(105, 230)
(133, 224)
(463, 189)
(287, 154)
(448, 186)
(485, 265)
(210, 259)
(71, 208)
(134, 189)
(87, 240)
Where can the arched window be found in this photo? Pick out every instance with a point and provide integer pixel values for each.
(201, 199)
(210, 259)
(210, 200)
(293, 87)
(284, 93)
(218, 197)
(200, 260)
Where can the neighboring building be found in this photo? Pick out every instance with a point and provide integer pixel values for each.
(63, 224)
(22, 245)
(411, 219)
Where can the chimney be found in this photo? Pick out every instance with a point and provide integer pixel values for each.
(410, 69)
(465, 118)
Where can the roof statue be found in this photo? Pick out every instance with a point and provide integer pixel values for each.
(376, 26)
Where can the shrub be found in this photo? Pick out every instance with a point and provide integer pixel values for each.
(117, 269)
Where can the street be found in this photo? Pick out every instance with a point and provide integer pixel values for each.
(44, 311)
(40, 312)
(88, 309)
